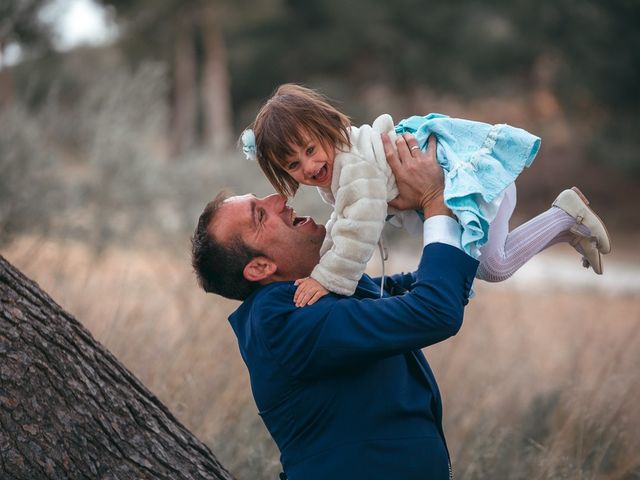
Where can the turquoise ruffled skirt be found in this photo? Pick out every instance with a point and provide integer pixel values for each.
(480, 161)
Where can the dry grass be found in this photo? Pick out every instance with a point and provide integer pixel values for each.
(537, 385)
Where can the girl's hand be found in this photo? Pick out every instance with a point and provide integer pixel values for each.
(309, 291)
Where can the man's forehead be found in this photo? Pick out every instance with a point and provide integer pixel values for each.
(234, 214)
(247, 197)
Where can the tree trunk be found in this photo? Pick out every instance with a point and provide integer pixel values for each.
(184, 114)
(69, 409)
(215, 84)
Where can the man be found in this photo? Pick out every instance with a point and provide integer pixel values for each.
(341, 384)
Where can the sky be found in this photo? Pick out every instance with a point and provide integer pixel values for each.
(79, 22)
(75, 22)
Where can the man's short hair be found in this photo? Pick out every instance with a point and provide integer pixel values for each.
(219, 267)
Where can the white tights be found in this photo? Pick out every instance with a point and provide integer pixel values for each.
(506, 252)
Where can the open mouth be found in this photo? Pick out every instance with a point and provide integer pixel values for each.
(321, 175)
(298, 221)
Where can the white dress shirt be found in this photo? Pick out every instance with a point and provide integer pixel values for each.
(441, 229)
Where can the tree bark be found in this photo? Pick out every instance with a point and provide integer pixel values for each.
(69, 409)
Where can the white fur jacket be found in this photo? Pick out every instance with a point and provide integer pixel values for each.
(361, 186)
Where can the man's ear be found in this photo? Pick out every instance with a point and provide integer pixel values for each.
(258, 269)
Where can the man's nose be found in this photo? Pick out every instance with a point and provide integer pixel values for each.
(276, 201)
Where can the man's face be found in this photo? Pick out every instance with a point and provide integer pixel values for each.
(271, 227)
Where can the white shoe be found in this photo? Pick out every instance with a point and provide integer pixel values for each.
(573, 202)
(576, 204)
(586, 246)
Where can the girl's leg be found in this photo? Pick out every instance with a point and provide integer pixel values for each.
(506, 252)
(499, 228)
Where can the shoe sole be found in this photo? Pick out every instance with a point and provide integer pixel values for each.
(586, 202)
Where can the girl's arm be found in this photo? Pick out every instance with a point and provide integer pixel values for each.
(360, 211)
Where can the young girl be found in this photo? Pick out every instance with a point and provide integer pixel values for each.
(299, 138)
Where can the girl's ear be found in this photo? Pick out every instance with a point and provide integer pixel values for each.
(258, 269)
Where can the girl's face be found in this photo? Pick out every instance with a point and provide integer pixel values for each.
(311, 164)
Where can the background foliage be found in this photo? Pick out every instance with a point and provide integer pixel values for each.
(125, 133)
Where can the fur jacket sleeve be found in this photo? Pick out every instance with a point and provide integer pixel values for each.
(361, 186)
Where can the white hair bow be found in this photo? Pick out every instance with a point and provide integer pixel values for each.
(248, 139)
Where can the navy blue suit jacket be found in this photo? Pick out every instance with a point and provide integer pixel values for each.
(342, 384)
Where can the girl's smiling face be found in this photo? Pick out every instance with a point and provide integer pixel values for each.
(310, 164)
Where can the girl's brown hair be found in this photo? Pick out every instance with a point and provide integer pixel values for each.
(290, 113)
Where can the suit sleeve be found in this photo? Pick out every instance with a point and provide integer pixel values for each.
(335, 334)
(402, 281)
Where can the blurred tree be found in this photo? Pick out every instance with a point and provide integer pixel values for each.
(20, 23)
(226, 56)
(21, 27)
(592, 54)
(465, 48)
(188, 35)
(216, 86)
(583, 54)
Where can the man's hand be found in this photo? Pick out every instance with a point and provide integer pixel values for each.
(418, 175)
(309, 291)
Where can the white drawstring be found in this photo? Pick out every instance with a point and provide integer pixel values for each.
(384, 255)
